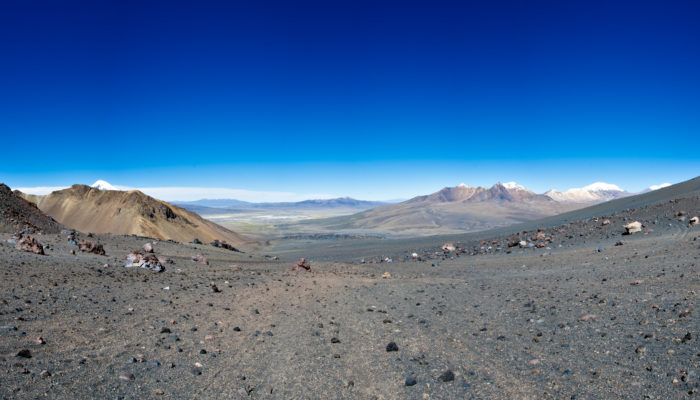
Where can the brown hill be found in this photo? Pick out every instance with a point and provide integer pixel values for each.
(17, 214)
(452, 210)
(89, 209)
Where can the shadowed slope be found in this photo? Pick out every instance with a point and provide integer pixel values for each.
(17, 214)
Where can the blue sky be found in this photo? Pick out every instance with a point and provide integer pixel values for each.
(371, 99)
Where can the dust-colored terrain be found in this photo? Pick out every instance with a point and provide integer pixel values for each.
(451, 210)
(586, 320)
(18, 214)
(89, 209)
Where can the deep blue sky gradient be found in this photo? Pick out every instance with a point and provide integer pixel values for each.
(378, 99)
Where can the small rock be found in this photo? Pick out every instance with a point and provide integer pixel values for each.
(127, 376)
(588, 317)
(25, 353)
(411, 381)
(392, 347)
(45, 374)
(335, 340)
(40, 340)
(447, 376)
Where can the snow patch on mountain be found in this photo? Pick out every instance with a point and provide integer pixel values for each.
(593, 193)
(661, 186)
(103, 185)
(513, 185)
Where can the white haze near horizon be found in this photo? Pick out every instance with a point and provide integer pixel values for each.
(175, 194)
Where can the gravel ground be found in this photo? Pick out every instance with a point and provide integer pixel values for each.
(575, 323)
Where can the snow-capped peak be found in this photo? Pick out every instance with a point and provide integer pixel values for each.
(595, 192)
(103, 185)
(602, 186)
(513, 185)
(462, 185)
(661, 186)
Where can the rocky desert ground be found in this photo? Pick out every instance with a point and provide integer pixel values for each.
(585, 320)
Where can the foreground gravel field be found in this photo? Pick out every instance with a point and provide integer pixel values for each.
(577, 323)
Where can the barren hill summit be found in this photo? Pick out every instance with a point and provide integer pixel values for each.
(17, 214)
(90, 209)
(455, 209)
(510, 192)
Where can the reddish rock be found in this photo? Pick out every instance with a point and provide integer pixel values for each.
(200, 259)
(303, 264)
(448, 247)
(91, 247)
(148, 261)
(26, 243)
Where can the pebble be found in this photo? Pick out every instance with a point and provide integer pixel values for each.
(127, 376)
(40, 340)
(588, 317)
(45, 374)
(392, 347)
(410, 381)
(236, 329)
(165, 330)
(447, 376)
(335, 340)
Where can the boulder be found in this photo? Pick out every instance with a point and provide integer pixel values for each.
(200, 259)
(448, 247)
(30, 244)
(302, 265)
(224, 245)
(148, 261)
(633, 227)
(91, 247)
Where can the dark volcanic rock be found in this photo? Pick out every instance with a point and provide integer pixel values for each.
(447, 376)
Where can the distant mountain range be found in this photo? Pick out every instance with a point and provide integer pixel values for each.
(463, 209)
(222, 206)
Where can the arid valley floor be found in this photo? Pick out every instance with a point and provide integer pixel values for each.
(583, 318)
